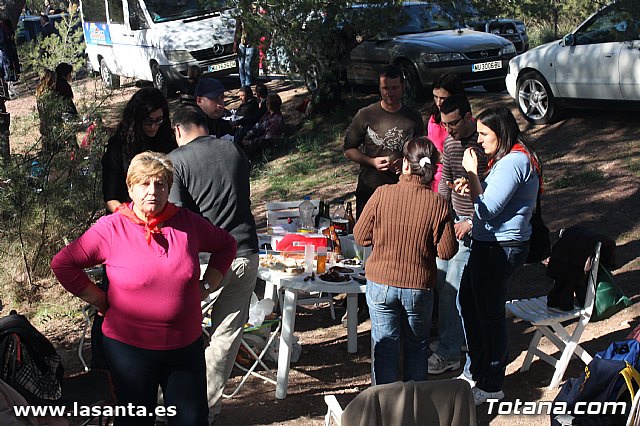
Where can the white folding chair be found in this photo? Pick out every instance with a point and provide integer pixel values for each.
(279, 212)
(548, 323)
(206, 306)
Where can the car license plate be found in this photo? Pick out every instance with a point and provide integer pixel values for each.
(221, 66)
(486, 66)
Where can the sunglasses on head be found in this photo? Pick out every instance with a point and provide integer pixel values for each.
(152, 122)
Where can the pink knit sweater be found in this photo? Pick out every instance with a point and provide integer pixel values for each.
(154, 297)
(408, 225)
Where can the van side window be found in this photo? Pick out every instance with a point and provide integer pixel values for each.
(94, 11)
(116, 15)
(137, 21)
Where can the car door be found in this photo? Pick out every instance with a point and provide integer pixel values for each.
(589, 68)
(629, 62)
(123, 41)
(366, 61)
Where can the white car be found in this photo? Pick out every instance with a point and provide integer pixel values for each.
(599, 62)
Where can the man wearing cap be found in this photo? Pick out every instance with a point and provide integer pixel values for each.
(209, 95)
(211, 178)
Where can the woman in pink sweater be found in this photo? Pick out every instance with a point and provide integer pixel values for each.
(152, 319)
(408, 225)
(443, 86)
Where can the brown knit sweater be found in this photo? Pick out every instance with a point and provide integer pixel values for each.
(408, 226)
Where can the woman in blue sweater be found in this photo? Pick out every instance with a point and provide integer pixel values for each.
(504, 202)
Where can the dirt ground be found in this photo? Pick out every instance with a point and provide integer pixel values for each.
(592, 166)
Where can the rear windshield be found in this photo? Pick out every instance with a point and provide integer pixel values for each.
(421, 18)
(171, 10)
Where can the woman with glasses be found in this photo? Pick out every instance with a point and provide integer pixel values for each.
(443, 86)
(145, 126)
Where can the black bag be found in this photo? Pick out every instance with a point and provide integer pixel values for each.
(28, 361)
(609, 377)
(539, 243)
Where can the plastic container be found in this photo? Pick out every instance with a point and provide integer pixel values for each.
(309, 253)
(321, 263)
(306, 223)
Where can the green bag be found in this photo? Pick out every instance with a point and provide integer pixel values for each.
(609, 298)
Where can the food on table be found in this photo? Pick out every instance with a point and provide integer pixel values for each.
(352, 262)
(282, 265)
(334, 277)
(341, 270)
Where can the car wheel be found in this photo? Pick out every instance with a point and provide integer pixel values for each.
(412, 86)
(111, 81)
(312, 77)
(160, 81)
(495, 87)
(535, 99)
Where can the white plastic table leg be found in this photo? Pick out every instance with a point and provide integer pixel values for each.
(352, 323)
(286, 341)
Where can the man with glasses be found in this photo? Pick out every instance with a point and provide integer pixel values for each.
(457, 119)
(209, 95)
(212, 179)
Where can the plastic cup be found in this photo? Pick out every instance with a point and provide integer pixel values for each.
(309, 252)
(322, 260)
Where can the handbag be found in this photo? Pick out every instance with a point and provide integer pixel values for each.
(539, 243)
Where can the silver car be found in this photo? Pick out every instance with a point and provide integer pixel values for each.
(598, 62)
(426, 43)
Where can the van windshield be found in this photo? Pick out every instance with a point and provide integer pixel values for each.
(171, 10)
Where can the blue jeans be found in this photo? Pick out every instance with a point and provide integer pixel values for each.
(245, 57)
(482, 297)
(399, 315)
(138, 372)
(450, 333)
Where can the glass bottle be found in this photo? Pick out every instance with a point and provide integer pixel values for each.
(350, 218)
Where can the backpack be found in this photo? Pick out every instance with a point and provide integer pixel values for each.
(28, 361)
(609, 377)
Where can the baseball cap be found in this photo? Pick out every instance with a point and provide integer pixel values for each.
(209, 88)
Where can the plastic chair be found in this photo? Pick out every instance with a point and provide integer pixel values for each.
(434, 402)
(93, 387)
(207, 305)
(548, 323)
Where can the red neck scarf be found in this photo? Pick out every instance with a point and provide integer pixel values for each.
(152, 226)
(518, 147)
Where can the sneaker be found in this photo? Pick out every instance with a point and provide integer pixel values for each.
(468, 379)
(438, 365)
(480, 396)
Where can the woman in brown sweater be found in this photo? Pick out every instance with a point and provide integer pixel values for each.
(408, 225)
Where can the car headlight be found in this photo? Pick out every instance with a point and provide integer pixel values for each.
(430, 58)
(178, 55)
(508, 50)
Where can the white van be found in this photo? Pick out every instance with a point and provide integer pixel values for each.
(158, 40)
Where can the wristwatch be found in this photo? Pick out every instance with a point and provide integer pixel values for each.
(206, 285)
(470, 221)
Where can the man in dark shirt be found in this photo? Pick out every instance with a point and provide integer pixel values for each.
(377, 135)
(209, 95)
(461, 126)
(212, 179)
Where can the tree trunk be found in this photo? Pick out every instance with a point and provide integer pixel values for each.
(11, 10)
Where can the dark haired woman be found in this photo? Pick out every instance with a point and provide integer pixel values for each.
(408, 225)
(145, 126)
(503, 203)
(443, 86)
(63, 88)
(247, 113)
